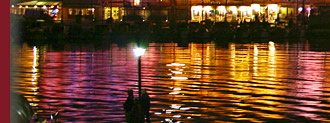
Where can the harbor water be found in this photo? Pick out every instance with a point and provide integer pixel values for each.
(199, 82)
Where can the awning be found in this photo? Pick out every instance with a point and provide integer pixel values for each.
(40, 3)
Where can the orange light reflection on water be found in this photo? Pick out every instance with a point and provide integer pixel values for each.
(253, 82)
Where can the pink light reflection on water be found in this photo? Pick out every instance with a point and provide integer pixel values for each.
(311, 76)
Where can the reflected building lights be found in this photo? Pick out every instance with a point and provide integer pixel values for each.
(35, 70)
(175, 64)
(174, 93)
(179, 78)
(157, 113)
(201, 81)
(272, 65)
(255, 60)
(174, 106)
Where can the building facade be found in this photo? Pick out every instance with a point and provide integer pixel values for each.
(172, 10)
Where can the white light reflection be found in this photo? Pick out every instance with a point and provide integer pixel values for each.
(34, 67)
(175, 64)
(255, 61)
(271, 46)
(174, 93)
(179, 78)
(176, 72)
(169, 111)
(168, 120)
(177, 89)
(184, 109)
(272, 66)
(174, 106)
(176, 116)
(157, 113)
(35, 50)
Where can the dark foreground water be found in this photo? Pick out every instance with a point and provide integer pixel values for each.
(253, 82)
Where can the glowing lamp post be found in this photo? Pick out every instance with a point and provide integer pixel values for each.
(139, 52)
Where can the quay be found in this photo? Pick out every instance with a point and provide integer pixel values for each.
(168, 21)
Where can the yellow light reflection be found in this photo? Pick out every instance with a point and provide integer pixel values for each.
(29, 84)
(240, 69)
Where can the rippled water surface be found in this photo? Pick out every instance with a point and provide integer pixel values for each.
(253, 82)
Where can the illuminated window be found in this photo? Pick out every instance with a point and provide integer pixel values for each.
(90, 11)
(136, 2)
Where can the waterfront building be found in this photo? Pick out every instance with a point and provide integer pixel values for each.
(172, 10)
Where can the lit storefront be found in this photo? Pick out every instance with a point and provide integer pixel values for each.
(234, 13)
(245, 13)
(115, 12)
(86, 13)
(35, 8)
(272, 12)
(221, 13)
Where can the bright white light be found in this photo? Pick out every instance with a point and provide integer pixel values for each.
(35, 50)
(175, 106)
(175, 64)
(179, 78)
(167, 119)
(184, 109)
(169, 111)
(12, 6)
(207, 8)
(174, 93)
(139, 51)
(221, 9)
(158, 113)
(176, 72)
(136, 2)
(44, 7)
(246, 9)
(35, 6)
(177, 89)
(26, 6)
(273, 7)
(271, 46)
(198, 8)
(176, 116)
(242, 8)
(255, 7)
(233, 9)
(255, 50)
(52, 6)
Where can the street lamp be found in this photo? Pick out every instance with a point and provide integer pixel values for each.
(139, 52)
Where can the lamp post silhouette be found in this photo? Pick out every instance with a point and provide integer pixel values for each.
(139, 52)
